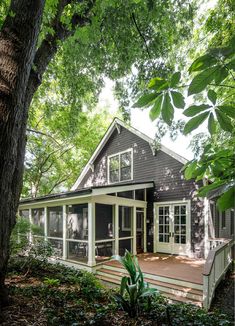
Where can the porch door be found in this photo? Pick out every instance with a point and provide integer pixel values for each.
(139, 230)
(172, 228)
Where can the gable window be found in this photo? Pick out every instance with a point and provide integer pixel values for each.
(120, 166)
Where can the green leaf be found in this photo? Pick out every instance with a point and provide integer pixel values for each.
(202, 63)
(220, 75)
(224, 120)
(231, 65)
(228, 109)
(211, 124)
(195, 109)
(167, 110)
(226, 201)
(206, 189)
(200, 82)
(175, 79)
(212, 96)
(156, 109)
(188, 173)
(178, 99)
(158, 84)
(195, 122)
(145, 100)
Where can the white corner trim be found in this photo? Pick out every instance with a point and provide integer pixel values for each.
(115, 124)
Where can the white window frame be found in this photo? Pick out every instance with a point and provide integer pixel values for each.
(119, 167)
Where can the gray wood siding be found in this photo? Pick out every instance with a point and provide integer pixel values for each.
(163, 169)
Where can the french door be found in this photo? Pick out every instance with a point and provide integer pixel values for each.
(172, 228)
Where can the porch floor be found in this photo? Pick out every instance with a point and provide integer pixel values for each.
(176, 267)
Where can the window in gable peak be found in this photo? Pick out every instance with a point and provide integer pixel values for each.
(120, 166)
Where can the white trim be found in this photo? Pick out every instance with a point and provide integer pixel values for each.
(119, 166)
(173, 246)
(206, 227)
(106, 137)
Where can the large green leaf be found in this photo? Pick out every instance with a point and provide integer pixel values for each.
(175, 79)
(145, 100)
(188, 173)
(158, 84)
(195, 109)
(228, 109)
(212, 96)
(224, 120)
(156, 109)
(220, 74)
(202, 63)
(211, 124)
(195, 122)
(227, 201)
(178, 99)
(203, 191)
(167, 110)
(202, 80)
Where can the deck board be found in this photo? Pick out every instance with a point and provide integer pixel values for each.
(176, 267)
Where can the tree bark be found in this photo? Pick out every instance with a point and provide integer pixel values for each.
(18, 39)
(21, 71)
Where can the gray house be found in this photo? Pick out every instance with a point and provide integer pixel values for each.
(132, 196)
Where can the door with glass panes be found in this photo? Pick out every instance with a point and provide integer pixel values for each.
(172, 228)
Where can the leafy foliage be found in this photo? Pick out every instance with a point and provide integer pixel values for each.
(213, 71)
(133, 290)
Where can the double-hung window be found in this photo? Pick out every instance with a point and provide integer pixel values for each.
(120, 166)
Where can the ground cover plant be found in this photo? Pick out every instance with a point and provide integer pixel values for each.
(53, 294)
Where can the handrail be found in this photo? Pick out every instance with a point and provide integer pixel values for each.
(217, 263)
(211, 256)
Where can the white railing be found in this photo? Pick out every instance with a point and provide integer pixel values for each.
(215, 242)
(217, 263)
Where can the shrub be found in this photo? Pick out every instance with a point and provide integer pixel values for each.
(134, 291)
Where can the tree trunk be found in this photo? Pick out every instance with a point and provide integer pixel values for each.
(18, 39)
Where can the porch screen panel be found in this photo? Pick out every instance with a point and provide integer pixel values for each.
(57, 245)
(180, 224)
(77, 251)
(164, 224)
(125, 244)
(77, 222)
(24, 213)
(38, 219)
(125, 222)
(55, 222)
(104, 226)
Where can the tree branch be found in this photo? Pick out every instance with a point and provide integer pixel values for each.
(140, 33)
(43, 134)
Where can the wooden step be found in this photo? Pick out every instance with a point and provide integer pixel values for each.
(174, 298)
(188, 292)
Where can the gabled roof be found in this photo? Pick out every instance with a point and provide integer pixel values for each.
(115, 125)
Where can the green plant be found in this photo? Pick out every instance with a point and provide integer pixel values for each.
(133, 290)
(51, 281)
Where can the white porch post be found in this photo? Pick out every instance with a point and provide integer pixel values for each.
(65, 253)
(31, 222)
(145, 235)
(134, 231)
(91, 234)
(155, 224)
(206, 227)
(45, 223)
(116, 228)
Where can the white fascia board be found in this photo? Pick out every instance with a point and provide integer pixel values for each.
(112, 189)
(106, 137)
(55, 202)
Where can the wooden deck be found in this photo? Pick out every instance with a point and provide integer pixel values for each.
(177, 277)
(176, 267)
